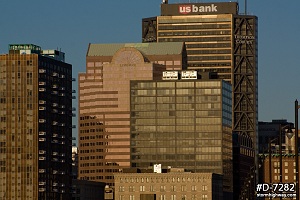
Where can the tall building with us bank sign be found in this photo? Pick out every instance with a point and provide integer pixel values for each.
(218, 39)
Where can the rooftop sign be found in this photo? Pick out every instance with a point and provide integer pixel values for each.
(199, 8)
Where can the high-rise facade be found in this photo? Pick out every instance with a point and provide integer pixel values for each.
(104, 101)
(36, 124)
(182, 123)
(218, 39)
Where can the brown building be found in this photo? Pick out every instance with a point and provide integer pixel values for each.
(35, 124)
(176, 184)
(104, 101)
(271, 173)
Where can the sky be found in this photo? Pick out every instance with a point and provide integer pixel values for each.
(71, 25)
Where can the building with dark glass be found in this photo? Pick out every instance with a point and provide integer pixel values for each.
(35, 124)
(182, 123)
(104, 101)
(218, 39)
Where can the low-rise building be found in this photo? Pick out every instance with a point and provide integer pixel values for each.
(174, 184)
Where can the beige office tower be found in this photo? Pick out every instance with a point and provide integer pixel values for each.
(35, 124)
(104, 101)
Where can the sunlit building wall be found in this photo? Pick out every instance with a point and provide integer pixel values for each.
(104, 101)
(36, 124)
(182, 123)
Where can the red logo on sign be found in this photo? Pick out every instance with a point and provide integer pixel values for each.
(185, 9)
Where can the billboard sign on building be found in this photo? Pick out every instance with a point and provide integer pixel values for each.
(170, 75)
(189, 74)
(199, 8)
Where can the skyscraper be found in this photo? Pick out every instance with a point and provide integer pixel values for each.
(218, 39)
(183, 123)
(36, 124)
(104, 101)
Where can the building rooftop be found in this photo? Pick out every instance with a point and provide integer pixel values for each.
(163, 48)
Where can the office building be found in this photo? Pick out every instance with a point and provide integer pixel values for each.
(173, 184)
(182, 123)
(36, 124)
(218, 39)
(104, 101)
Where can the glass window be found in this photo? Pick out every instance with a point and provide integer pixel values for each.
(204, 197)
(162, 197)
(142, 188)
(173, 188)
(194, 187)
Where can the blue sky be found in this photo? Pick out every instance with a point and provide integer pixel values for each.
(72, 25)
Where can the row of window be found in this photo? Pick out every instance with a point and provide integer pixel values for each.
(194, 33)
(92, 137)
(162, 179)
(171, 197)
(162, 188)
(97, 177)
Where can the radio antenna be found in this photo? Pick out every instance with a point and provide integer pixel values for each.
(245, 7)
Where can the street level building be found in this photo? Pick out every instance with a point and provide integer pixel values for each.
(218, 39)
(183, 123)
(175, 184)
(35, 124)
(104, 101)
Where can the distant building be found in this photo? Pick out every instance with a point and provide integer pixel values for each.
(74, 162)
(271, 173)
(269, 131)
(176, 184)
(104, 101)
(182, 123)
(35, 124)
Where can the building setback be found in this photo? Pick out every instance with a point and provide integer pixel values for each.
(36, 124)
(182, 123)
(218, 39)
(104, 101)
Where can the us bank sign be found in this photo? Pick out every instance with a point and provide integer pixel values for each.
(185, 9)
(199, 8)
